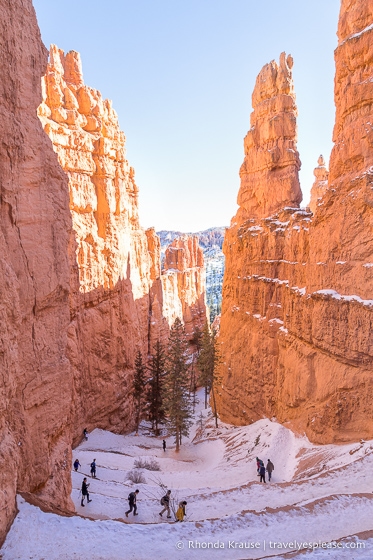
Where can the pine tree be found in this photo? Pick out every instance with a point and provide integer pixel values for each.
(205, 361)
(138, 386)
(177, 401)
(154, 395)
(208, 362)
(216, 379)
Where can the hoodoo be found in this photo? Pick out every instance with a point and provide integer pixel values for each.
(296, 327)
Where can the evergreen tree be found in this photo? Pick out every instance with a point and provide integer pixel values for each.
(138, 386)
(154, 395)
(177, 400)
(208, 362)
(216, 379)
(205, 361)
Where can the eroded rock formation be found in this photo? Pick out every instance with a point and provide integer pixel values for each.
(81, 281)
(184, 269)
(112, 268)
(269, 173)
(320, 185)
(122, 300)
(296, 328)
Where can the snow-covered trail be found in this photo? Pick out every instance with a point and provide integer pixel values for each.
(318, 493)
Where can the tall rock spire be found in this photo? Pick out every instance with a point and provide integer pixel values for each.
(320, 185)
(269, 173)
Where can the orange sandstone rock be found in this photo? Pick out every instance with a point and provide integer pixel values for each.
(36, 383)
(320, 185)
(296, 326)
(184, 269)
(269, 173)
(120, 301)
(81, 283)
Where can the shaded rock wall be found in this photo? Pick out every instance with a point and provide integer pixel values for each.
(35, 224)
(296, 327)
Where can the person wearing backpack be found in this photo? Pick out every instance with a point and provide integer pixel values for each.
(93, 468)
(76, 465)
(85, 492)
(270, 469)
(132, 502)
(165, 501)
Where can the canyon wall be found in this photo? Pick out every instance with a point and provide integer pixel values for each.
(81, 281)
(112, 267)
(296, 327)
(35, 224)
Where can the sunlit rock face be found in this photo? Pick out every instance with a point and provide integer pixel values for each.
(320, 186)
(269, 173)
(120, 300)
(112, 267)
(184, 271)
(296, 327)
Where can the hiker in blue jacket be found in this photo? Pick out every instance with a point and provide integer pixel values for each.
(262, 472)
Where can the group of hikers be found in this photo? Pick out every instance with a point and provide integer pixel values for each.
(261, 469)
(85, 484)
(165, 502)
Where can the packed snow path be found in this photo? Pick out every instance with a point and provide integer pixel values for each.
(318, 494)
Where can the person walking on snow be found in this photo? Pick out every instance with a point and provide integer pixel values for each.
(180, 514)
(165, 501)
(164, 445)
(85, 492)
(85, 434)
(132, 503)
(93, 468)
(262, 472)
(259, 463)
(270, 469)
(76, 465)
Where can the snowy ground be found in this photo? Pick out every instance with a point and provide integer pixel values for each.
(318, 494)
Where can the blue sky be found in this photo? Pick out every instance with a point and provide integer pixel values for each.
(181, 75)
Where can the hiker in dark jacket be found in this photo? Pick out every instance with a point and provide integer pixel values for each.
(76, 465)
(262, 472)
(85, 434)
(165, 501)
(132, 503)
(259, 463)
(164, 445)
(85, 492)
(93, 468)
(270, 468)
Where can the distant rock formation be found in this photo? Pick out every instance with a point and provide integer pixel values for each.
(320, 185)
(296, 327)
(211, 242)
(184, 260)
